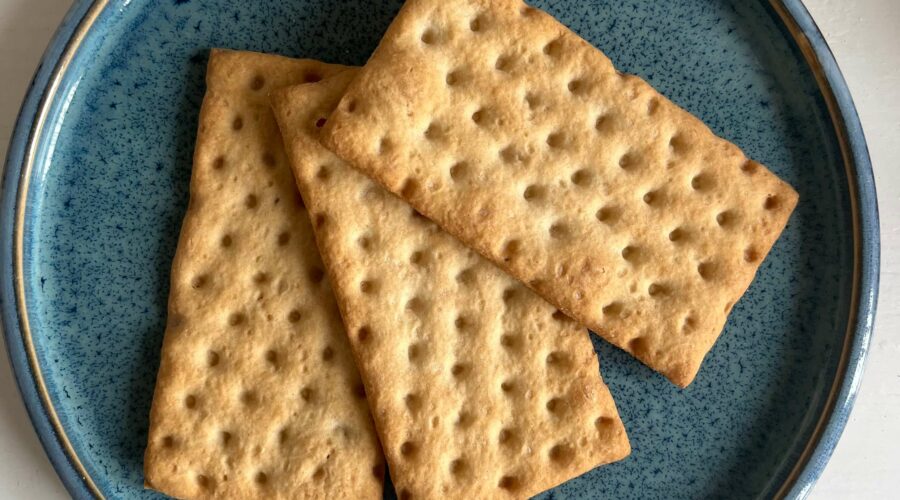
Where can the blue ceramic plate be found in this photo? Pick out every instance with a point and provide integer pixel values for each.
(97, 181)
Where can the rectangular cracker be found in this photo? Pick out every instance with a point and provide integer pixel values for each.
(257, 394)
(608, 200)
(479, 388)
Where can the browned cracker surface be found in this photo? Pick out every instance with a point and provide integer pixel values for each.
(479, 388)
(608, 200)
(257, 394)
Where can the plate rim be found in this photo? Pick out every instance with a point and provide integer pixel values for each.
(794, 18)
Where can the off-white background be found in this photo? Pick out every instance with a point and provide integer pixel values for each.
(865, 37)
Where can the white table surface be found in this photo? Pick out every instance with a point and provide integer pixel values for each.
(865, 37)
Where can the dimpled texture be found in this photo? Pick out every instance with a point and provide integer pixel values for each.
(257, 395)
(110, 189)
(479, 388)
(608, 200)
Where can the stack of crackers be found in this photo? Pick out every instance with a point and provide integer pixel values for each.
(398, 264)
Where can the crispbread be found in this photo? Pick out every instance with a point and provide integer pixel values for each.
(257, 395)
(479, 388)
(522, 140)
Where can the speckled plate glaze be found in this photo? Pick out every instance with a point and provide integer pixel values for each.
(96, 184)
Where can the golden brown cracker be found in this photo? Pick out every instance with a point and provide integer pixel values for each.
(608, 200)
(257, 395)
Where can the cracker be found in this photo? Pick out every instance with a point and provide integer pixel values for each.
(257, 395)
(478, 387)
(522, 140)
